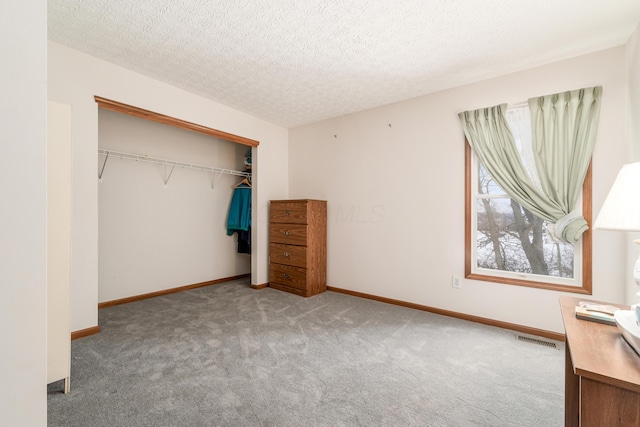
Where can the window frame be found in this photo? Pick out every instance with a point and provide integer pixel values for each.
(585, 240)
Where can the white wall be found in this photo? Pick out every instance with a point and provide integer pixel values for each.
(152, 238)
(394, 181)
(74, 79)
(23, 213)
(633, 129)
(633, 75)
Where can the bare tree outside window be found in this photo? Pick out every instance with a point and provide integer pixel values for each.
(511, 238)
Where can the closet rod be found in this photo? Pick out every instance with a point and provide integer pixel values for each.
(148, 159)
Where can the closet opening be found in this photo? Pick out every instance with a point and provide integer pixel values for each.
(165, 193)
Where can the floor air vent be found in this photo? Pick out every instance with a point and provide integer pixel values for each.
(538, 341)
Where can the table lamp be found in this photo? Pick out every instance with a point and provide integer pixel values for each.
(621, 212)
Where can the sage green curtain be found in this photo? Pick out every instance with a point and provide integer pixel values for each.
(564, 128)
(489, 135)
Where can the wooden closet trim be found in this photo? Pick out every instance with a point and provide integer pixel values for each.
(119, 107)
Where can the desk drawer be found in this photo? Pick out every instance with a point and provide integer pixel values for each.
(289, 234)
(288, 255)
(292, 212)
(293, 277)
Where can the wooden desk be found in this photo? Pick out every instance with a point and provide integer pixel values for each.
(602, 373)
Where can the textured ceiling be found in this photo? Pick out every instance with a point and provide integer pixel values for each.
(293, 62)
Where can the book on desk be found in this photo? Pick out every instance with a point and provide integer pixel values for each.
(596, 313)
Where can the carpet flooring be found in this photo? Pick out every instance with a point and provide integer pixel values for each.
(228, 355)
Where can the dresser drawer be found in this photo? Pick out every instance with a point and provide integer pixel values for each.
(293, 277)
(301, 292)
(289, 234)
(292, 212)
(288, 254)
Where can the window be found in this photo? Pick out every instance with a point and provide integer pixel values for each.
(506, 243)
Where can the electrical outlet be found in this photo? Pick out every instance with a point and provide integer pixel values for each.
(455, 282)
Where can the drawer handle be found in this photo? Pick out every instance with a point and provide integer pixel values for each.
(286, 276)
(287, 254)
(287, 233)
(287, 213)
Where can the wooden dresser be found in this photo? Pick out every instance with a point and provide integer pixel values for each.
(298, 246)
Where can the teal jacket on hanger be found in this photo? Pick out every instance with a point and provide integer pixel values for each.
(239, 218)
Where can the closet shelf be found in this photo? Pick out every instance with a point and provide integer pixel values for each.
(173, 164)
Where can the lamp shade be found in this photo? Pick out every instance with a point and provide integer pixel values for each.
(621, 209)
